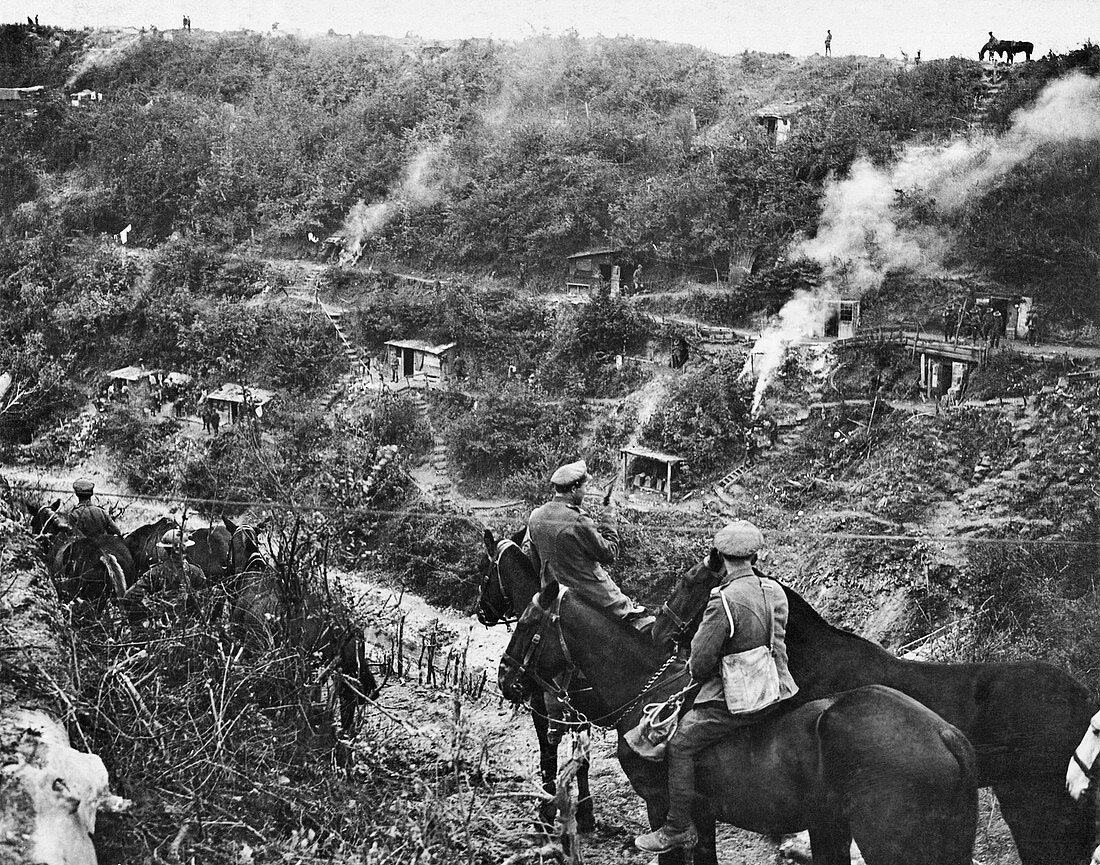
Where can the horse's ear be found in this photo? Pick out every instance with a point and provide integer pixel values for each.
(229, 524)
(490, 542)
(714, 560)
(549, 594)
(56, 506)
(261, 527)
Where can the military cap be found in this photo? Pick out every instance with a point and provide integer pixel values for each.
(740, 539)
(569, 474)
(83, 486)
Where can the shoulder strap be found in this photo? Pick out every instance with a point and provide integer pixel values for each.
(726, 604)
(771, 612)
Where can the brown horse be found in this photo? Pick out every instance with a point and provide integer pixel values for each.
(142, 542)
(211, 552)
(1023, 718)
(869, 765)
(272, 610)
(88, 568)
(508, 583)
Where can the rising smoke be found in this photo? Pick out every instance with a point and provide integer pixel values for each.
(418, 187)
(862, 235)
(103, 48)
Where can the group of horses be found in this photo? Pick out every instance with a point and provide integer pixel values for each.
(1006, 49)
(239, 581)
(886, 751)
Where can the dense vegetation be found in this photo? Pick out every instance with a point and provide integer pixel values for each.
(494, 155)
(487, 163)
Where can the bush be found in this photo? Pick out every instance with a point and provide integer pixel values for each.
(705, 418)
(510, 434)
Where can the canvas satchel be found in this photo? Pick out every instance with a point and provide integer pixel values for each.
(750, 679)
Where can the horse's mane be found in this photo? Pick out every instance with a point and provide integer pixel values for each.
(644, 644)
(802, 608)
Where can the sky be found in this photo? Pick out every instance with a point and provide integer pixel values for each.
(938, 28)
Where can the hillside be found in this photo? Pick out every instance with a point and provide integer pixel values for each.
(960, 523)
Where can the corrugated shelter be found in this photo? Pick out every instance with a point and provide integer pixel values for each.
(235, 400)
(779, 119)
(651, 470)
(415, 357)
(594, 268)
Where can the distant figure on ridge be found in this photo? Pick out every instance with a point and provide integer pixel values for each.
(828, 43)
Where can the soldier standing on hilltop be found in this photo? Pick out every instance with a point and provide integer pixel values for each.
(828, 43)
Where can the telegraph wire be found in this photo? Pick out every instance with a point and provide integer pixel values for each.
(210, 505)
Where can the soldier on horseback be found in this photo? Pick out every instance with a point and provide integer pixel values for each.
(90, 519)
(739, 656)
(565, 544)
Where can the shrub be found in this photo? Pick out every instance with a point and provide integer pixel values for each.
(705, 418)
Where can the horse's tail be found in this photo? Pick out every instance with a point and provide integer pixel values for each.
(963, 752)
(114, 573)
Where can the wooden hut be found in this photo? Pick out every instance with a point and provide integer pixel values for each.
(234, 402)
(417, 359)
(594, 268)
(651, 470)
(133, 381)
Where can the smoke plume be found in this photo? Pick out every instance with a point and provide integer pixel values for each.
(416, 188)
(102, 49)
(862, 234)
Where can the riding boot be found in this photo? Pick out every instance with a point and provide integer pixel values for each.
(678, 830)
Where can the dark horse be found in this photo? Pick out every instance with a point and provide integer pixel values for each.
(869, 765)
(89, 568)
(509, 582)
(211, 552)
(262, 604)
(142, 543)
(1007, 47)
(1024, 718)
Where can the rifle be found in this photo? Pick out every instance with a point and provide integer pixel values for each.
(609, 490)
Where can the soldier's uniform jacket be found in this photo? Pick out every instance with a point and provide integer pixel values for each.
(92, 520)
(171, 584)
(745, 593)
(566, 544)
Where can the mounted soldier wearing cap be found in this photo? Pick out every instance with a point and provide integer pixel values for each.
(739, 659)
(566, 545)
(89, 519)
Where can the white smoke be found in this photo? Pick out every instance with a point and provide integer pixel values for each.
(862, 234)
(103, 48)
(417, 188)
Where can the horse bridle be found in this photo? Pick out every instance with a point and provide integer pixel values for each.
(528, 667)
(1089, 771)
(255, 561)
(494, 573)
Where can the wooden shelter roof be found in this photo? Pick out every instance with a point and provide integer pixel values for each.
(232, 392)
(420, 345)
(652, 455)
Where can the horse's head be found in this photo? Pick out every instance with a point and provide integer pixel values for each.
(533, 656)
(679, 616)
(244, 547)
(1083, 765)
(48, 520)
(505, 571)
